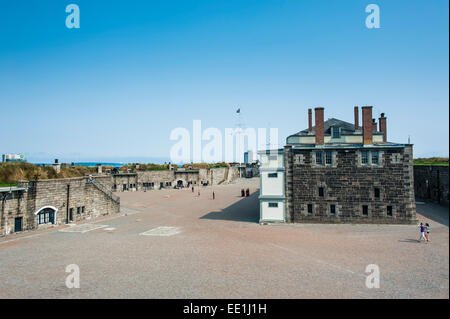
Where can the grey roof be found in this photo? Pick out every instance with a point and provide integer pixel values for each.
(11, 189)
(346, 127)
(350, 146)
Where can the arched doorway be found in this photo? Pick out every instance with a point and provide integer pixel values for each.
(46, 214)
(180, 182)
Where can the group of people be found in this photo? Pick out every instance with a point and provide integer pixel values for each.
(424, 232)
(198, 194)
(245, 192)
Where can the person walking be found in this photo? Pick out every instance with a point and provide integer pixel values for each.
(214, 195)
(427, 232)
(199, 193)
(192, 188)
(422, 232)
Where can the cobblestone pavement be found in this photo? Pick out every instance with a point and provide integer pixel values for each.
(217, 249)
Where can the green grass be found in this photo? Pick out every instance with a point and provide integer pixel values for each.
(439, 161)
(7, 184)
(434, 163)
(157, 168)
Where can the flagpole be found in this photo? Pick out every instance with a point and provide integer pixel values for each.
(239, 139)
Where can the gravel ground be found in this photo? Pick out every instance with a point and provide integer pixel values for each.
(217, 249)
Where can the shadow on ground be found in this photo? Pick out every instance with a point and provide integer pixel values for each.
(245, 210)
(409, 241)
(435, 212)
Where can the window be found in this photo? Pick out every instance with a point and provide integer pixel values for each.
(389, 211)
(375, 158)
(273, 175)
(328, 158)
(364, 158)
(274, 205)
(396, 158)
(333, 209)
(321, 191)
(47, 215)
(82, 209)
(310, 209)
(273, 157)
(377, 193)
(335, 132)
(365, 210)
(319, 158)
(78, 210)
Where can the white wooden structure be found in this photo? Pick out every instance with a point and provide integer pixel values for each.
(272, 196)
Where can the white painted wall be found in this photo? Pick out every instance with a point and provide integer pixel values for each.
(272, 161)
(272, 213)
(272, 185)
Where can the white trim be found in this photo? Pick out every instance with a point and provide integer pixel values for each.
(52, 207)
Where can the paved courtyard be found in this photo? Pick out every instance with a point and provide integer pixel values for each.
(175, 244)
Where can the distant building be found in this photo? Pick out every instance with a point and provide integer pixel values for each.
(339, 172)
(249, 157)
(13, 158)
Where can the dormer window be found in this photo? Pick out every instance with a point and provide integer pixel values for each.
(335, 132)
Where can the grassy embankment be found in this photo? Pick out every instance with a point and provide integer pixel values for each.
(443, 161)
(162, 167)
(12, 172)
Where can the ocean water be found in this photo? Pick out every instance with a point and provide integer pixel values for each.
(88, 164)
(96, 163)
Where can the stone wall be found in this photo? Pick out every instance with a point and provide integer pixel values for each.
(71, 193)
(431, 183)
(80, 196)
(348, 186)
(214, 176)
(124, 182)
(92, 196)
(13, 206)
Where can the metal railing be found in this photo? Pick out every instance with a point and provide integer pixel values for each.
(105, 190)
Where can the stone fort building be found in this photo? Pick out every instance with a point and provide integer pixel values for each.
(44, 203)
(339, 172)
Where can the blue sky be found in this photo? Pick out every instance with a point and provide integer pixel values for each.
(135, 70)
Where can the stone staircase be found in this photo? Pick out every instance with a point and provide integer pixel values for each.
(225, 176)
(106, 191)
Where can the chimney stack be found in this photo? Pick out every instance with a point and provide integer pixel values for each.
(367, 125)
(309, 120)
(356, 118)
(374, 125)
(382, 122)
(318, 115)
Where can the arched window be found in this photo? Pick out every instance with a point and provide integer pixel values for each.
(46, 215)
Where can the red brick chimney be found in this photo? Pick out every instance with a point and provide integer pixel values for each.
(367, 125)
(356, 118)
(382, 123)
(374, 125)
(309, 120)
(318, 115)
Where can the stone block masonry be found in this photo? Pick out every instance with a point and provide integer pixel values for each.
(431, 183)
(348, 191)
(58, 200)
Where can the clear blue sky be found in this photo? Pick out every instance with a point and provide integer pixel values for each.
(135, 70)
